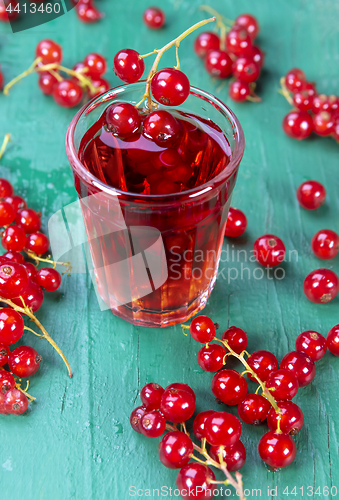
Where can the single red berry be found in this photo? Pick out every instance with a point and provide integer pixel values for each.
(9, 10)
(295, 79)
(262, 363)
(323, 123)
(239, 91)
(311, 343)
(284, 384)
(6, 188)
(16, 202)
(14, 257)
(170, 86)
(28, 220)
(128, 66)
(218, 63)
(236, 339)
(325, 244)
(311, 195)
(321, 286)
(269, 250)
(122, 119)
(229, 386)
(88, 13)
(162, 128)
(136, 416)
(332, 340)
(47, 82)
(196, 478)
(31, 269)
(32, 296)
(199, 423)
(154, 18)
(7, 214)
(238, 41)
(249, 23)
(24, 361)
(303, 99)
(49, 51)
(150, 396)
(234, 456)
(37, 243)
(291, 418)
(309, 87)
(205, 42)
(177, 405)
(67, 93)
(245, 70)
(202, 329)
(334, 103)
(95, 64)
(14, 280)
(257, 55)
(4, 353)
(11, 326)
(211, 357)
(48, 278)
(236, 223)
(298, 124)
(301, 365)
(254, 409)
(181, 386)
(277, 450)
(222, 428)
(16, 402)
(13, 238)
(175, 450)
(152, 424)
(7, 381)
(101, 85)
(321, 103)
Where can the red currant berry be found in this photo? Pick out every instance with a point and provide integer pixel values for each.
(24, 361)
(245, 70)
(95, 64)
(262, 363)
(11, 326)
(291, 418)
(170, 86)
(309, 87)
(181, 386)
(298, 124)
(218, 63)
(154, 18)
(177, 405)
(311, 195)
(101, 85)
(321, 286)
(303, 100)
(269, 250)
(49, 51)
(334, 103)
(199, 423)
(14, 280)
(48, 278)
(162, 128)
(13, 239)
(4, 353)
(37, 243)
(16, 202)
(301, 365)
(238, 41)
(257, 55)
(236, 338)
(295, 79)
(31, 270)
(6, 188)
(222, 428)
(325, 244)
(9, 10)
(323, 123)
(205, 42)
(67, 93)
(211, 357)
(196, 478)
(152, 424)
(16, 402)
(254, 409)
(47, 82)
(128, 66)
(7, 381)
(229, 386)
(234, 456)
(122, 119)
(14, 257)
(202, 329)
(88, 13)
(284, 384)
(150, 396)
(311, 343)
(32, 296)
(7, 214)
(136, 416)
(332, 340)
(28, 220)
(175, 450)
(277, 450)
(236, 223)
(249, 23)
(239, 91)
(321, 103)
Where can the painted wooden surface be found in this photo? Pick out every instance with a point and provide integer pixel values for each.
(76, 442)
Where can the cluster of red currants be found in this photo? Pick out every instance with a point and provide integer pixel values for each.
(314, 112)
(233, 54)
(87, 11)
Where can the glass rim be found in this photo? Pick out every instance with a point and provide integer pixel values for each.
(195, 192)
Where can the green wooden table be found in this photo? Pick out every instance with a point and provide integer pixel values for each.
(75, 442)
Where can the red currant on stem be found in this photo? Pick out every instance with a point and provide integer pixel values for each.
(122, 119)
(229, 387)
(323, 123)
(298, 124)
(16, 402)
(249, 23)
(202, 329)
(13, 238)
(234, 456)
(49, 51)
(311, 195)
(24, 361)
(332, 340)
(67, 93)
(11, 326)
(262, 363)
(128, 65)
(283, 384)
(218, 64)
(239, 91)
(37, 243)
(48, 278)
(136, 416)
(31, 269)
(301, 365)
(269, 250)
(311, 343)
(7, 381)
(295, 79)
(16, 202)
(198, 478)
(236, 338)
(211, 357)
(303, 99)
(6, 188)
(162, 128)
(47, 82)
(175, 450)
(291, 418)
(14, 257)
(14, 280)
(152, 424)
(170, 86)
(321, 286)
(29, 220)
(100, 85)
(88, 13)
(321, 103)
(254, 409)
(245, 70)
(325, 244)
(7, 214)
(236, 223)
(177, 405)
(181, 386)
(222, 429)
(205, 42)
(32, 296)
(199, 423)
(95, 64)
(154, 18)
(277, 450)
(150, 396)
(238, 41)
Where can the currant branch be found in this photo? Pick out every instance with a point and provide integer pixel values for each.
(49, 260)
(220, 24)
(284, 91)
(6, 140)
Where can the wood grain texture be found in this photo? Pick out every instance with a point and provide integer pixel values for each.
(76, 442)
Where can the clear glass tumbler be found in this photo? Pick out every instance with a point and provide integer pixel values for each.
(155, 257)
